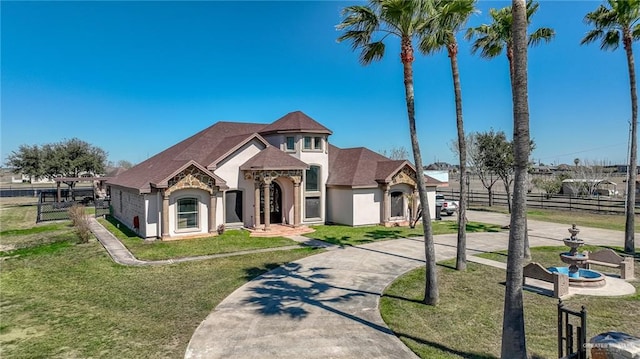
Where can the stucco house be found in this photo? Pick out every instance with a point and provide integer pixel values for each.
(224, 173)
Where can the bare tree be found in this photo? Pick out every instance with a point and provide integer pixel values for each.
(395, 153)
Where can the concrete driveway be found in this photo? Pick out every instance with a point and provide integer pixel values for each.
(326, 305)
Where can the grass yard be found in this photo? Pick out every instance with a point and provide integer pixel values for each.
(581, 218)
(351, 236)
(18, 228)
(230, 241)
(467, 323)
(72, 301)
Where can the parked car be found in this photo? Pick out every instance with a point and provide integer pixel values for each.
(446, 206)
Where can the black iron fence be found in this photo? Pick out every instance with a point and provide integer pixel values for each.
(545, 201)
(572, 338)
(53, 211)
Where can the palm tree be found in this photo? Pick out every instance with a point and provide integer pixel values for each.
(492, 39)
(618, 22)
(448, 19)
(514, 343)
(405, 20)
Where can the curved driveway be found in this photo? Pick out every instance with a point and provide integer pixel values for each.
(326, 305)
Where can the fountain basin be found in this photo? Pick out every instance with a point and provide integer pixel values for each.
(578, 259)
(581, 278)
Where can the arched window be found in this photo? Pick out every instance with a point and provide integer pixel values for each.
(187, 213)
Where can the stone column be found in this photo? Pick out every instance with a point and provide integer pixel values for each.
(267, 204)
(296, 203)
(213, 203)
(386, 205)
(256, 205)
(165, 215)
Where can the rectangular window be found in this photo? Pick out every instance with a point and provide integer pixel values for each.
(312, 143)
(312, 179)
(187, 213)
(312, 207)
(291, 144)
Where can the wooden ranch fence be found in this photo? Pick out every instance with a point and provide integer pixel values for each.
(545, 201)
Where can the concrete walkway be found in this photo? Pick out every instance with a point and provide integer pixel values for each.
(326, 305)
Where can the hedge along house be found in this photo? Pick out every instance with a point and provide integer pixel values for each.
(255, 175)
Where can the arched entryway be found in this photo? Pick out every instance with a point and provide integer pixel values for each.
(275, 203)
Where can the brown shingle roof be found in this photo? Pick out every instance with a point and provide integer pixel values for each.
(295, 122)
(205, 148)
(272, 158)
(359, 167)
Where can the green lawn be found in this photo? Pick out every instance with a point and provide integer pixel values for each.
(18, 228)
(351, 236)
(72, 301)
(581, 218)
(230, 241)
(467, 322)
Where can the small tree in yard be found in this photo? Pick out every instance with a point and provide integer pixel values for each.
(80, 222)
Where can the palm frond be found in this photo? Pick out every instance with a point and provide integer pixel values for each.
(592, 36)
(372, 52)
(542, 34)
(635, 32)
(610, 40)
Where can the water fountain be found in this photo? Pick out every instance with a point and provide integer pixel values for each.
(578, 275)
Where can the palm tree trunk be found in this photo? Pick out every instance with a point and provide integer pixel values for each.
(514, 344)
(461, 255)
(431, 280)
(629, 240)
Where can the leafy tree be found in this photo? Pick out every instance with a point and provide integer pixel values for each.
(72, 157)
(366, 27)
(550, 184)
(27, 160)
(62, 159)
(448, 18)
(613, 23)
(514, 343)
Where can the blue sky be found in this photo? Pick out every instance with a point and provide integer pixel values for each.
(137, 77)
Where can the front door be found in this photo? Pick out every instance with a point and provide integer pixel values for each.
(275, 203)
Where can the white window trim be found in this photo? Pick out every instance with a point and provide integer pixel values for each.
(198, 228)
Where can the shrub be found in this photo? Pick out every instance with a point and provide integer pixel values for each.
(221, 229)
(80, 222)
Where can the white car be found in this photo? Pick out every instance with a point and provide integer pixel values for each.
(447, 207)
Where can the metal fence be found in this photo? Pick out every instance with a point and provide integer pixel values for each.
(546, 201)
(54, 211)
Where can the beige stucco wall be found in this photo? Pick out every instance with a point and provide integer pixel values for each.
(367, 206)
(153, 204)
(340, 205)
